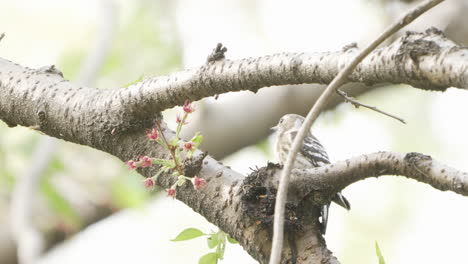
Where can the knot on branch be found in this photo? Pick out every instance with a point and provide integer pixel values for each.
(259, 197)
(51, 69)
(349, 46)
(415, 46)
(217, 54)
(415, 158)
(192, 166)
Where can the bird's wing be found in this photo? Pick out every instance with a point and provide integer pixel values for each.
(312, 150)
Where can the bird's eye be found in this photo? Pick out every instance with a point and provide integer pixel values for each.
(281, 120)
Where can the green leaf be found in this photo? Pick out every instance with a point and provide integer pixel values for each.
(379, 253)
(187, 234)
(210, 258)
(231, 240)
(213, 240)
(197, 139)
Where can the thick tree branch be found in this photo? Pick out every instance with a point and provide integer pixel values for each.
(412, 165)
(424, 60)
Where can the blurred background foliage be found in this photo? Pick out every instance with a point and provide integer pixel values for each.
(139, 49)
(412, 222)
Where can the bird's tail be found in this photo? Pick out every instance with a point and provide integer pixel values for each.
(342, 201)
(324, 220)
(338, 199)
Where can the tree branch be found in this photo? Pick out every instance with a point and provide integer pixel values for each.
(357, 104)
(414, 59)
(417, 166)
(425, 60)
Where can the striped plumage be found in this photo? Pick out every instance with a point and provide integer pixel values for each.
(311, 154)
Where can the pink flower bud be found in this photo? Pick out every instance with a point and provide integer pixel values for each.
(145, 161)
(152, 134)
(198, 182)
(188, 145)
(149, 183)
(179, 120)
(131, 164)
(171, 192)
(188, 108)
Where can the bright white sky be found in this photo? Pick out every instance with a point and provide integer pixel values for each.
(37, 32)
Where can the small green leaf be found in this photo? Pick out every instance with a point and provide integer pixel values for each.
(210, 258)
(379, 253)
(213, 241)
(197, 139)
(187, 234)
(231, 240)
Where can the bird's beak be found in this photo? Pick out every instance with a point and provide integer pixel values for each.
(274, 129)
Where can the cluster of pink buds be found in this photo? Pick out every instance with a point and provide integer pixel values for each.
(131, 164)
(143, 161)
(175, 146)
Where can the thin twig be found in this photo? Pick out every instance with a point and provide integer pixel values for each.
(356, 104)
(278, 226)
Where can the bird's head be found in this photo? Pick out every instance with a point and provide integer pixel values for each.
(289, 121)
